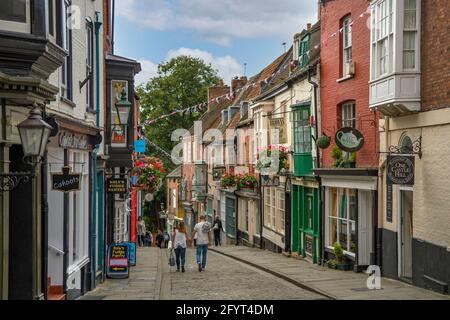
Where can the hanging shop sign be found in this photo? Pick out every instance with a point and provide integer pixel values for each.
(116, 186)
(400, 170)
(132, 253)
(270, 181)
(68, 140)
(118, 261)
(66, 181)
(349, 139)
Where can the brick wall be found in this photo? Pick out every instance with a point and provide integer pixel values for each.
(435, 54)
(333, 94)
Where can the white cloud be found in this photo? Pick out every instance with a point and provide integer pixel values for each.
(149, 70)
(222, 21)
(227, 66)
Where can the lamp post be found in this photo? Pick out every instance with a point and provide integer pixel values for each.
(34, 134)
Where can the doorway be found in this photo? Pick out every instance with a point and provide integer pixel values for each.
(406, 234)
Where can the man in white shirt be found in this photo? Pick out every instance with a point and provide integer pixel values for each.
(202, 229)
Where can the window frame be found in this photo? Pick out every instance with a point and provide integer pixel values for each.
(304, 51)
(16, 26)
(90, 65)
(415, 32)
(300, 127)
(348, 107)
(347, 48)
(66, 68)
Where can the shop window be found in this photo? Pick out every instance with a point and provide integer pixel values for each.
(341, 222)
(382, 38)
(15, 15)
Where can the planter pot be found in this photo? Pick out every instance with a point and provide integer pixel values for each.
(344, 266)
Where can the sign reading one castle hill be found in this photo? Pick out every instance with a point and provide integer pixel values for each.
(400, 170)
(66, 181)
(349, 139)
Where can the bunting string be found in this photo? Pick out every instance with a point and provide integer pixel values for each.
(231, 96)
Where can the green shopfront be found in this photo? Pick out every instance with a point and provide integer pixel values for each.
(306, 224)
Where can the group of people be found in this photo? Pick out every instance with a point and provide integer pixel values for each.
(145, 238)
(201, 238)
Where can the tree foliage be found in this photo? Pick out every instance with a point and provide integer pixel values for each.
(180, 83)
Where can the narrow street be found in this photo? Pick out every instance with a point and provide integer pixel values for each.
(224, 279)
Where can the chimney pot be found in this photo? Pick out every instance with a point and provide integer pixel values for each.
(308, 26)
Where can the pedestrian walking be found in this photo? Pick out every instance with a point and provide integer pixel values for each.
(166, 239)
(141, 231)
(160, 239)
(202, 231)
(217, 231)
(180, 244)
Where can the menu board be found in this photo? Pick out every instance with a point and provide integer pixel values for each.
(118, 261)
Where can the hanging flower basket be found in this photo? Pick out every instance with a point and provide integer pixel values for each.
(149, 172)
(323, 142)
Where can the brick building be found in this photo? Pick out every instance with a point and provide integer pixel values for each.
(350, 164)
(413, 97)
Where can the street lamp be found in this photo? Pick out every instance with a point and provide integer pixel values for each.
(34, 134)
(123, 108)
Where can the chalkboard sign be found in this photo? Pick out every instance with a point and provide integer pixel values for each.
(66, 181)
(132, 253)
(389, 203)
(118, 261)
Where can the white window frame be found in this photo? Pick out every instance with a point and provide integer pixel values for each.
(414, 31)
(383, 13)
(14, 26)
(347, 43)
(349, 114)
(329, 216)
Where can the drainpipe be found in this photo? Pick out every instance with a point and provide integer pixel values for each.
(95, 212)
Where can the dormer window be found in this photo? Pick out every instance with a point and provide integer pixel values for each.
(304, 52)
(15, 15)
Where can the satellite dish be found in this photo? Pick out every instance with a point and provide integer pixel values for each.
(149, 197)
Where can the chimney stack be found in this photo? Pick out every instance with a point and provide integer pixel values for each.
(238, 83)
(215, 92)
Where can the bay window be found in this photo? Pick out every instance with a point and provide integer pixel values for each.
(302, 140)
(410, 35)
(382, 38)
(304, 52)
(90, 66)
(66, 70)
(15, 15)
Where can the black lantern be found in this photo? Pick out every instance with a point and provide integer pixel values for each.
(123, 108)
(34, 133)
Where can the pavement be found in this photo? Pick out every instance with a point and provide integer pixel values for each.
(242, 273)
(339, 285)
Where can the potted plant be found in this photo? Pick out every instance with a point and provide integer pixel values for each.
(228, 180)
(247, 182)
(323, 142)
(149, 172)
(336, 154)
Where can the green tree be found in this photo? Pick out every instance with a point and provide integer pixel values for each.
(180, 83)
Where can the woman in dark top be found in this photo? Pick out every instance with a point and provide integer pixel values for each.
(217, 228)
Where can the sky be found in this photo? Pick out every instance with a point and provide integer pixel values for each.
(226, 33)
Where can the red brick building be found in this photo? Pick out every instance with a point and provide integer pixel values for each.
(349, 178)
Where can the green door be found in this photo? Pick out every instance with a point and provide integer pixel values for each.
(230, 217)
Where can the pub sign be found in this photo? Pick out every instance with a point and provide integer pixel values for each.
(400, 170)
